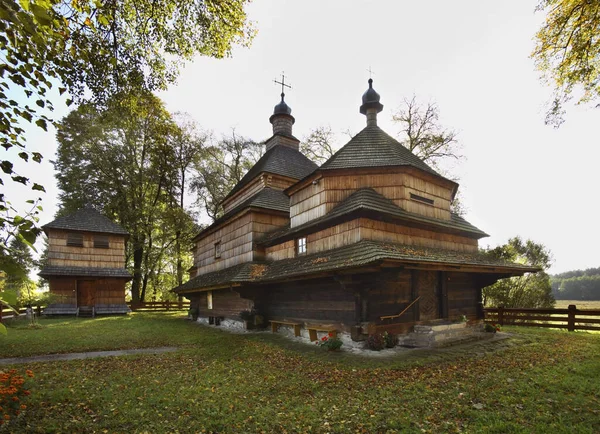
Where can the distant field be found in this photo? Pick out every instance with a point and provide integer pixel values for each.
(581, 304)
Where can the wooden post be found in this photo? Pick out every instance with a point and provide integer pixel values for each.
(39, 311)
(168, 304)
(1, 307)
(571, 324)
(501, 315)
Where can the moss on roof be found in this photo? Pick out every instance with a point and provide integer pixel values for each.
(355, 255)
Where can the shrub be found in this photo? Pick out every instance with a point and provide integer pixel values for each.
(391, 340)
(491, 328)
(13, 390)
(193, 312)
(376, 342)
(330, 342)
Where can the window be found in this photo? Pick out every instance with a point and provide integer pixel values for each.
(75, 240)
(218, 249)
(209, 304)
(301, 246)
(421, 199)
(101, 241)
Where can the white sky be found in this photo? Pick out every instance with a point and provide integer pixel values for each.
(470, 57)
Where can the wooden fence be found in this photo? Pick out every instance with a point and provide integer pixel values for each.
(6, 313)
(571, 318)
(159, 305)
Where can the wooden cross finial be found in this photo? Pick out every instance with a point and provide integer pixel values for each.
(282, 83)
(371, 73)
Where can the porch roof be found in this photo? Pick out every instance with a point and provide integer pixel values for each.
(354, 256)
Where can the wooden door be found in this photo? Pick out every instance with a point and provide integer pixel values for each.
(86, 293)
(429, 308)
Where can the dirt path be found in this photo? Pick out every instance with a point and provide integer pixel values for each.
(88, 355)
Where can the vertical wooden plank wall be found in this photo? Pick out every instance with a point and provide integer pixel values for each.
(65, 288)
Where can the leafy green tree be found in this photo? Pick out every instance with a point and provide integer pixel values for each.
(127, 161)
(222, 165)
(567, 52)
(533, 290)
(21, 264)
(95, 48)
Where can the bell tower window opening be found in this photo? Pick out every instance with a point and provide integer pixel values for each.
(421, 199)
(217, 250)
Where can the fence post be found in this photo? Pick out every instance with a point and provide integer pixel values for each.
(1, 307)
(501, 315)
(571, 323)
(168, 304)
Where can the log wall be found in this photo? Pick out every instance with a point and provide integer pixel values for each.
(463, 295)
(314, 201)
(88, 256)
(226, 303)
(313, 301)
(237, 238)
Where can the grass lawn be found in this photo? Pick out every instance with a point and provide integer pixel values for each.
(581, 304)
(538, 381)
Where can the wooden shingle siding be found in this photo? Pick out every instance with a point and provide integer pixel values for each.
(380, 231)
(62, 255)
(314, 201)
(367, 229)
(237, 241)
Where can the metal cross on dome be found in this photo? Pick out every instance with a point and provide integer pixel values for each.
(371, 73)
(282, 83)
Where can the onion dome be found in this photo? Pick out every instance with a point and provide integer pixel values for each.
(282, 108)
(370, 99)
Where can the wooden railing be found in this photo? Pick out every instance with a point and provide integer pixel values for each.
(159, 305)
(571, 318)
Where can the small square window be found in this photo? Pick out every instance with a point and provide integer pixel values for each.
(101, 242)
(218, 250)
(75, 240)
(209, 300)
(301, 246)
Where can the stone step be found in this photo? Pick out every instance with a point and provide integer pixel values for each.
(437, 335)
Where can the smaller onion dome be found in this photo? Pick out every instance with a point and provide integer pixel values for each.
(370, 99)
(282, 108)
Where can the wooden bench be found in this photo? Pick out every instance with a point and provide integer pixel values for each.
(313, 329)
(275, 326)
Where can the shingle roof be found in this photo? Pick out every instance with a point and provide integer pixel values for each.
(267, 198)
(373, 147)
(352, 256)
(86, 219)
(235, 274)
(279, 160)
(368, 202)
(50, 271)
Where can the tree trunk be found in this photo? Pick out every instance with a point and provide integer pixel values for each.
(138, 256)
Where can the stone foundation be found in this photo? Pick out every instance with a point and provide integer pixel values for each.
(440, 335)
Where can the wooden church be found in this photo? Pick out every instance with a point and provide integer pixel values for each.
(86, 265)
(366, 242)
